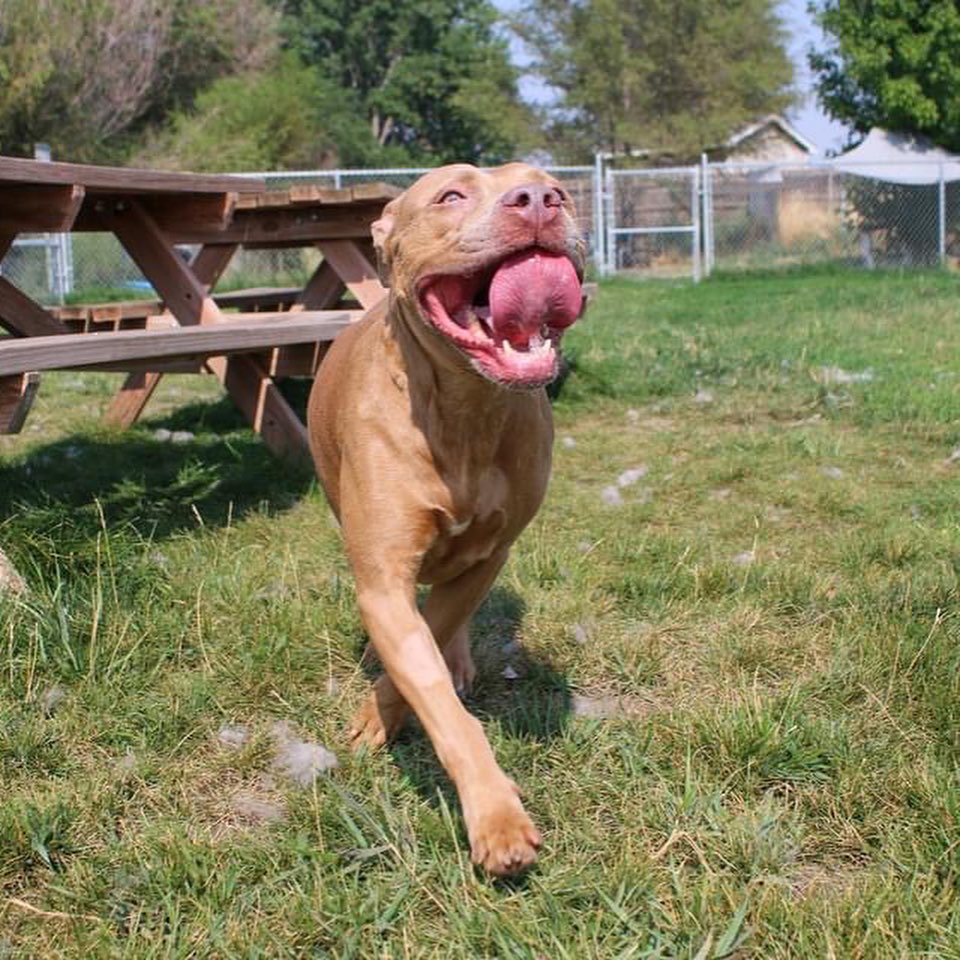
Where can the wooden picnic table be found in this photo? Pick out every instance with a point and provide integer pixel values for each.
(188, 328)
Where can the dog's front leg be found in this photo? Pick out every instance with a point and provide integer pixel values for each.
(503, 839)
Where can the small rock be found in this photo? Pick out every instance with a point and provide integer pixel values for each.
(599, 708)
(233, 736)
(723, 493)
(833, 473)
(580, 633)
(127, 763)
(252, 808)
(744, 559)
(300, 760)
(633, 415)
(10, 580)
(181, 436)
(569, 442)
(839, 375)
(631, 476)
(51, 698)
(703, 397)
(509, 673)
(162, 435)
(953, 458)
(611, 496)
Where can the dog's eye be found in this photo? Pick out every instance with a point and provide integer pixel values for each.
(452, 196)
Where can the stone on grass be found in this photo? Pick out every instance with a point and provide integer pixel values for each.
(580, 633)
(744, 559)
(569, 442)
(233, 736)
(953, 458)
(300, 760)
(10, 580)
(509, 673)
(611, 496)
(251, 808)
(51, 698)
(631, 476)
(703, 396)
(839, 375)
(832, 473)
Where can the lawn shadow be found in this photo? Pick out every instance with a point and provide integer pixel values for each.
(521, 692)
(198, 464)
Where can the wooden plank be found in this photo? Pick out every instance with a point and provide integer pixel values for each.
(7, 237)
(376, 191)
(22, 316)
(356, 271)
(311, 193)
(258, 397)
(25, 209)
(122, 179)
(184, 295)
(290, 226)
(128, 402)
(323, 289)
(16, 398)
(258, 298)
(210, 261)
(84, 350)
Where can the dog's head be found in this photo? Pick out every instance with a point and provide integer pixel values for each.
(488, 263)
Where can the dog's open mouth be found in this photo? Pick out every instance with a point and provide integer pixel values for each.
(509, 318)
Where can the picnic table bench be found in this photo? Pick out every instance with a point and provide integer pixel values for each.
(247, 338)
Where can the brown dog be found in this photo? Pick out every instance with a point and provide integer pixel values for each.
(432, 436)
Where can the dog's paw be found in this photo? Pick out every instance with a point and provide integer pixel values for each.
(503, 839)
(376, 723)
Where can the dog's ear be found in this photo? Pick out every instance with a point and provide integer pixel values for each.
(381, 230)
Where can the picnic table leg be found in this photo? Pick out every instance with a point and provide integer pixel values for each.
(129, 401)
(187, 298)
(355, 269)
(6, 242)
(16, 398)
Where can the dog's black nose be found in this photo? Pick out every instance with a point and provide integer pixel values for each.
(534, 202)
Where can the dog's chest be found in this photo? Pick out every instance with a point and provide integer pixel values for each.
(461, 544)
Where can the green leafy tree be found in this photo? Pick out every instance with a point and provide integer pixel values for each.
(90, 76)
(429, 76)
(662, 75)
(893, 64)
(289, 116)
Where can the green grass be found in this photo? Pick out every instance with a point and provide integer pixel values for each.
(764, 626)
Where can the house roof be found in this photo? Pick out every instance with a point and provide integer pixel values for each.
(899, 158)
(774, 119)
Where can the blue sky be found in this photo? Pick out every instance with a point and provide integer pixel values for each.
(808, 118)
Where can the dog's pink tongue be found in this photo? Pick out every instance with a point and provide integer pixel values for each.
(531, 289)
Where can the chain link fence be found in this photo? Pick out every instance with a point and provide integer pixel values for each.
(674, 222)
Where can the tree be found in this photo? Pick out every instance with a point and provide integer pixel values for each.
(670, 76)
(430, 77)
(893, 64)
(88, 76)
(289, 116)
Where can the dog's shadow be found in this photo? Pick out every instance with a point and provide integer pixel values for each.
(521, 692)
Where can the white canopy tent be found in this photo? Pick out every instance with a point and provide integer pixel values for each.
(899, 158)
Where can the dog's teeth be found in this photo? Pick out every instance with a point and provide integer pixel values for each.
(507, 347)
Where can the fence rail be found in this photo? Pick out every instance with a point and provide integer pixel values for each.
(663, 222)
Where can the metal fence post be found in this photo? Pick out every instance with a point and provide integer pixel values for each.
(942, 205)
(599, 226)
(610, 222)
(695, 188)
(706, 192)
